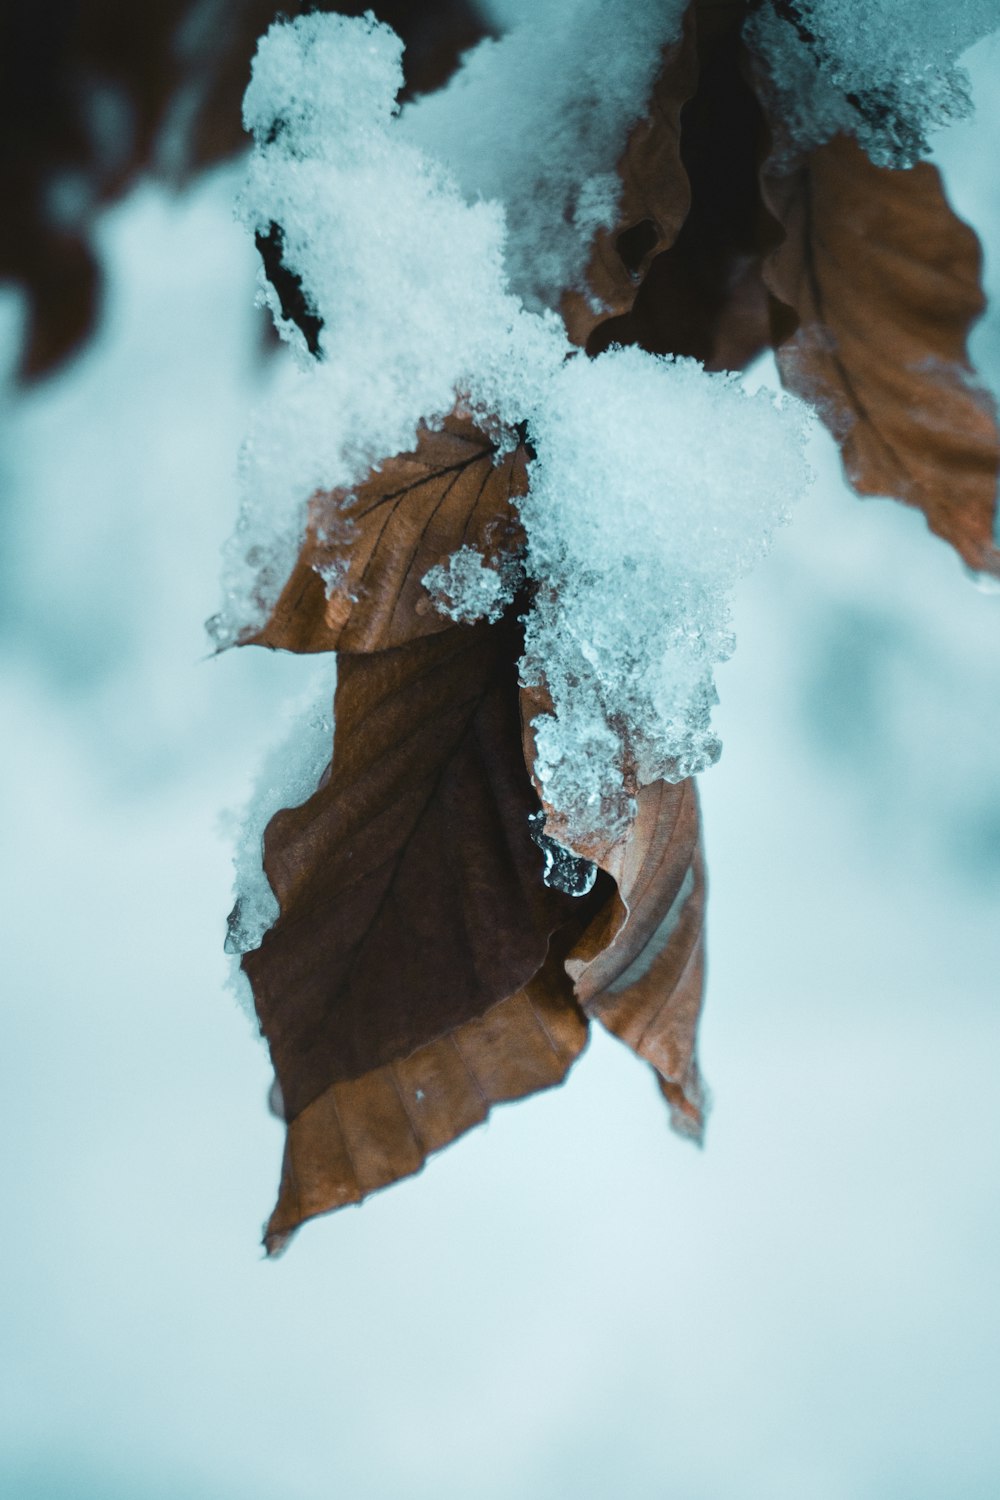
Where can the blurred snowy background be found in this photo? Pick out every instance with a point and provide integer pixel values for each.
(570, 1304)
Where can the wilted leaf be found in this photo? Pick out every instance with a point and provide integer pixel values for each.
(420, 970)
(363, 1134)
(881, 283)
(357, 585)
(702, 296)
(639, 966)
(410, 890)
(654, 200)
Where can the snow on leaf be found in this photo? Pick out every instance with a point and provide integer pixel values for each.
(885, 74)
(538, 121)
(880, 283)
(638, 530)
(639, 968)
(358, 584)
(654, 202)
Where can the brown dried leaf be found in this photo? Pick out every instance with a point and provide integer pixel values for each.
(404, 996)
(380, 540)
(420, 970)
(410, 890)
(654, 202)
(369, 1132)
(702, 296)
(883, 284)
(639, 966)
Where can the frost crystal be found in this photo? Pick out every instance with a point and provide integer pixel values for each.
(406, 279)
(466, 588)
(886, 73)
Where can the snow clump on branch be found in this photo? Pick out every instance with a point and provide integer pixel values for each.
(655, 484)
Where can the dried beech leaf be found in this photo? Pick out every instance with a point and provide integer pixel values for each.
(884, 282)
(377, 543)
(703, 296)
(366, 1133)
(654, 200)
(410, 890)
(639, 966)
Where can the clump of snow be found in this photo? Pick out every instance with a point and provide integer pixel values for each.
(655, 484)
(288, 776)
(466, 588)
(537, 119)
(656, 487)
(407, 278)
(886, 73)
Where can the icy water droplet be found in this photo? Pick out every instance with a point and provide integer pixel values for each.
(564, 870)
(239, 937)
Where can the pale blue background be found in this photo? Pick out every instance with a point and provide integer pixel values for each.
(570, 1304)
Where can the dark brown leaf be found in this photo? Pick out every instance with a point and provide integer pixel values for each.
(410, 890)
(363, 1134)
(879, 284)
(702, 296)
(381, 539)
(654, 201)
